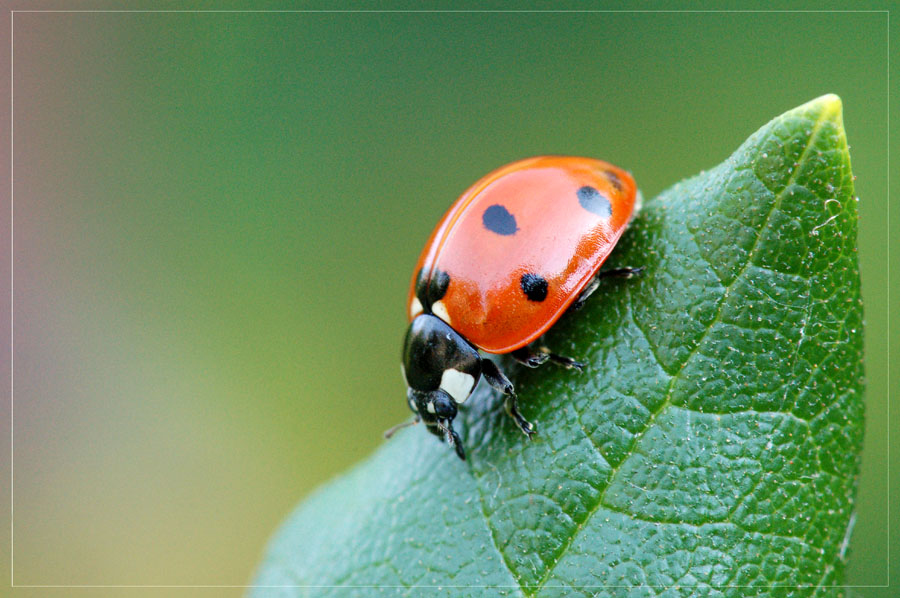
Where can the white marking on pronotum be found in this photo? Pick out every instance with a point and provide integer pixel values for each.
(440, 310)
(430, 406)
(457, 384)
(415, 307)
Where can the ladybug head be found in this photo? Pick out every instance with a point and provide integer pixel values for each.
(441, 370)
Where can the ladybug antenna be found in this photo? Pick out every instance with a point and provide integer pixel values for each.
(394, 429)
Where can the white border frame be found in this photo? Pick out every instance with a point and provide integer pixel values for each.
(887, 13)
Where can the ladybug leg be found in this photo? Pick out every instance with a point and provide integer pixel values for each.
(566, 362)
(532, 358)
(587, 292)
(512, 408)
(594, 284)
(626, 272)
(498, 380)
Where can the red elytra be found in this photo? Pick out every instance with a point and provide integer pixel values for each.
(550, 219)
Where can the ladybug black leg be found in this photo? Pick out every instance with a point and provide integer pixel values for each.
(532, 358)
(512, 408)
(594, 284)
(498, 380)
(626, 272)
(566, 362)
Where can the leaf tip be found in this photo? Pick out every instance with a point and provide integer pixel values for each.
(828, 107)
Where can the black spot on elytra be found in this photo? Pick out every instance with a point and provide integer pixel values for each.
(440, 280)
(613, 179)
(595, 202)
(421, 285)
(534, 286)
(497, 219)
(430, 289)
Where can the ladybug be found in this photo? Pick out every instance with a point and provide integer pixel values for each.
(519, 248)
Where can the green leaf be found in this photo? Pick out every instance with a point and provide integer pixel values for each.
(711, 447)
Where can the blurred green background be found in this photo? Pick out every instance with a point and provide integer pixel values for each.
(216, 217)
